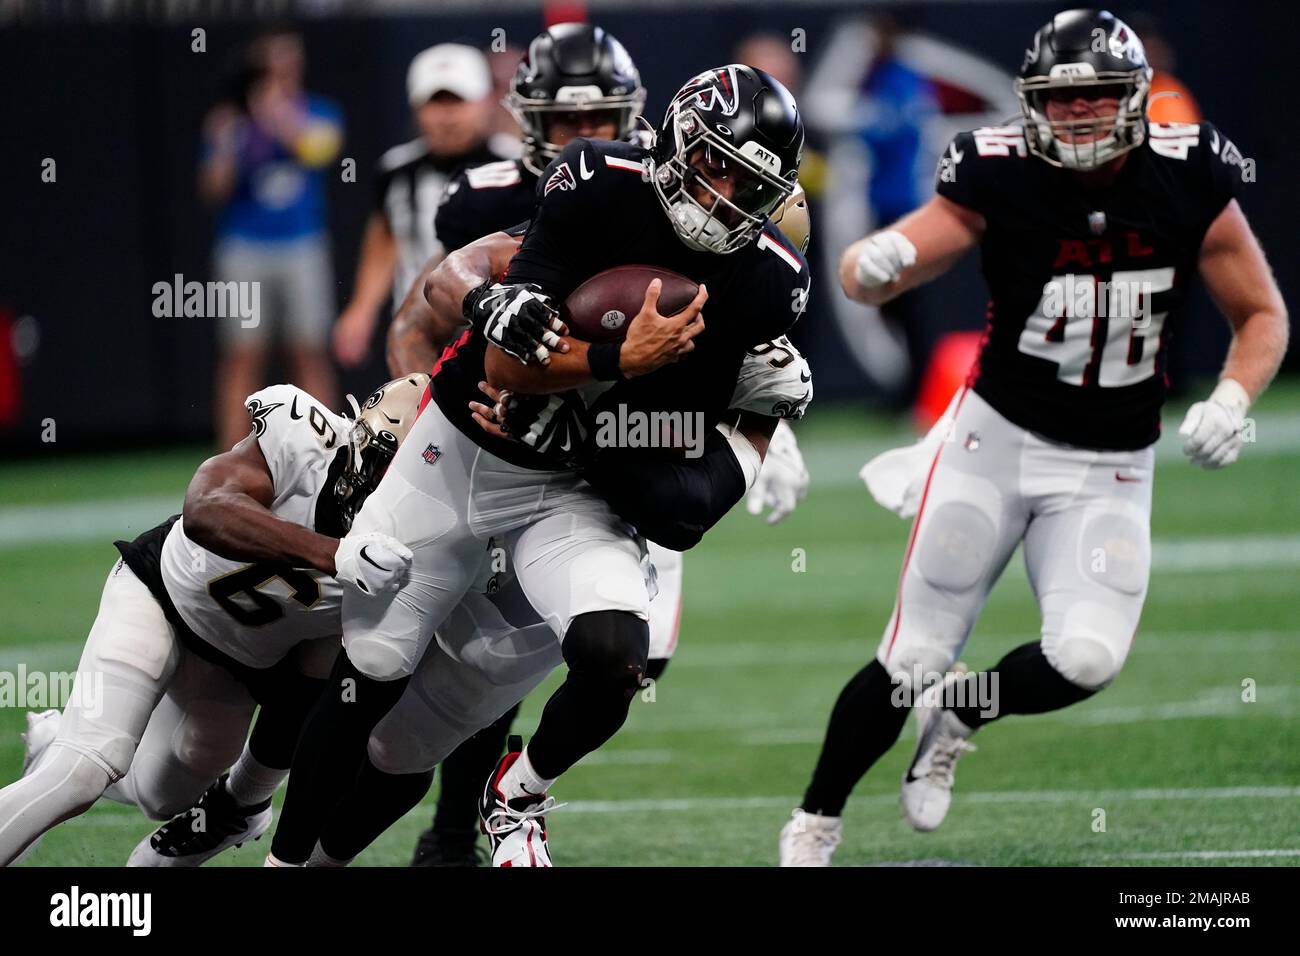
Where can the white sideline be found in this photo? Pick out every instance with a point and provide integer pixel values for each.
(1205, 855)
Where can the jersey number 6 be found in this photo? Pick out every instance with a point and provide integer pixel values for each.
(257, 609)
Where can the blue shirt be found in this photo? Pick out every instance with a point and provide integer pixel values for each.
(276, 197)
(901, 102)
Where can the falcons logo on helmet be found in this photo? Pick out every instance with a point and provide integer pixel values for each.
(713, 90)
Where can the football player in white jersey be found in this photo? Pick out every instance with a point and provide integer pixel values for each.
(232, 604)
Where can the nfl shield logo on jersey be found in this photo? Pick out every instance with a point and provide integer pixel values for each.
(1097, 222)
(431, 454)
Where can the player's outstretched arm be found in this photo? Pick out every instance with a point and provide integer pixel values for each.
(227, 510)
(1239, 281)
(920, 246)
(653, 340)
(1238, 278)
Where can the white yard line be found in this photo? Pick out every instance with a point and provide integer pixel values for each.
(1206, 855)
(112, 815)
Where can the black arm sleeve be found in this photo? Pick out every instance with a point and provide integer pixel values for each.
(673, 502)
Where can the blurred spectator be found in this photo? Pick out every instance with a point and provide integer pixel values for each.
(1170, 101)
(898, 102)
(264, 152)
(505, 136)
(449, 88)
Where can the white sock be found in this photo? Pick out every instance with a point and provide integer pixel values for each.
(272, 861)
(521, 780)
(251, 782)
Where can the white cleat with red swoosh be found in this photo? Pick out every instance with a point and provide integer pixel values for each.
(516, 829)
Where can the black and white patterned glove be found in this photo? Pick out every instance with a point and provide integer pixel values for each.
(518, 319)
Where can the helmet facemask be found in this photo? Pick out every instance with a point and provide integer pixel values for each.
(1057, 141)
(716, 223)
(378, 429)
(533, 116)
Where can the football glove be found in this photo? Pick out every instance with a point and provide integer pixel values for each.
(883, 258)
(1211, 432)
(782, 480)
(372, 563)
(518, 319)
(553, 425)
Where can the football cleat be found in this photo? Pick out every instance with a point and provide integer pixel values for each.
(212, 825)
(516, 829)
(447, 849)
(941, 739)
(809, 839)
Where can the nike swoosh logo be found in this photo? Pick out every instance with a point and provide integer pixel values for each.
(366, 558)
(1120, 477)
(805, 376)
(293, 409)
(583, 171)
(956, 153)
(565, 446)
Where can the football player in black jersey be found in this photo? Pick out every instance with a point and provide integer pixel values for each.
(727, 155)
(575, 80)
(1091, 222)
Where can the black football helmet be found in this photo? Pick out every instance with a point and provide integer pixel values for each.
(734, 125)
(1084, 50)
(572, 67)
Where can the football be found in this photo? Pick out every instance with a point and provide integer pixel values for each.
(602, 308)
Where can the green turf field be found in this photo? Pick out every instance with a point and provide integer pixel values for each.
(1185, 770)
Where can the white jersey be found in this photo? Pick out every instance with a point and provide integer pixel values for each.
(774, 380)
(256, 612)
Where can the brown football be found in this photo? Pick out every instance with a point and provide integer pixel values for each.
(602, 308)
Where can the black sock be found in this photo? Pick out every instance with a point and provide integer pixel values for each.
(656, 666)
(606, 653)
(463, 774)
(375, 803)
(864, 724)
(280, 720)
(330, 754)
(1026, 684)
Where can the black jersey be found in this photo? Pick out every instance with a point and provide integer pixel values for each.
(1086, 284)
(596, 209)
(485, 199)
(409, 184)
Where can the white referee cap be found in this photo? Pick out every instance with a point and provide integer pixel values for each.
(450, 68)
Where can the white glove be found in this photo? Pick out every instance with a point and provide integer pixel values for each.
(896, 478)
(373, 563)
(883, 258)
(1211, 432)
(783, 480)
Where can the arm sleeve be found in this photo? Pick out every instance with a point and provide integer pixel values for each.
(673, 502)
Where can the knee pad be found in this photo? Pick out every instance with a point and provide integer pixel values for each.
(378, 659)
(607, 648)
(1091, 645)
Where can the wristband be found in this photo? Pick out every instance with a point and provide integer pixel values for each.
(602, 359)
(471, 300)
(1231, 395)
